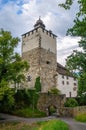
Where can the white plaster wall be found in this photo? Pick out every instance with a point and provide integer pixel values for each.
(48, 42)
(67, 88)
(30, 42)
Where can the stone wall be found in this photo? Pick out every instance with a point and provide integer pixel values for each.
(47, 100)
(79, 110)
(72, 112)
(42, 63)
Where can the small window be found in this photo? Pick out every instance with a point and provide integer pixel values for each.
(29, 78)
(67, 82)
(48, 62)
(67, 77)
(74, 84)
(74, 79)
(63, 82)
(74, 89)
(69, 94)
(63, 76)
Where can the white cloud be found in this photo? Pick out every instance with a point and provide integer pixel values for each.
(65, 46)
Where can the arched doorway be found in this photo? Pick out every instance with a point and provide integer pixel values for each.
(52, 110)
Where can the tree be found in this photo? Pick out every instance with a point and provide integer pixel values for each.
(37, 84)
(6, 97)
(77, 60)
(12, 67)
(36, 92)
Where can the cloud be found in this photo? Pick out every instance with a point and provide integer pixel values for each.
(65, 46)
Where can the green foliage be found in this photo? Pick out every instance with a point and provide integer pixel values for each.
(60, 125)
(35, 93)
(81, 118)
(67, 4)
(37, 84)
(82, 84)
(22, 99)
(54, 125)
(12, 67)
(82, 99)
(28, 112)
(77, 60)
(26, 98)
(71, 103)
(6, 97)
(54, 91)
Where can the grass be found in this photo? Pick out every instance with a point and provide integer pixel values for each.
(18, 126)
(81, 118)
(28, 112)
(54, 125)
(46, 125)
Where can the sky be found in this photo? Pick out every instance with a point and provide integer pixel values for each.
(19, 17)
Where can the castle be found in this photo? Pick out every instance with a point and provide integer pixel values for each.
(39, 49)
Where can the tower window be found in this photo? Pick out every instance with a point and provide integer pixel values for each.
(48, 62)
(63, 76)
(29, 78)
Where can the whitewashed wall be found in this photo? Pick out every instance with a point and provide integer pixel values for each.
(67, 88)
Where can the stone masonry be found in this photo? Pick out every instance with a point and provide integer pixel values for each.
(39, 49)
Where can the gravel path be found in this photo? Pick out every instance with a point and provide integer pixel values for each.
(73, 125)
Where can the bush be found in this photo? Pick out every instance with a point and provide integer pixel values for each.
(28, 112)
(22, 98)
(71, 102)
(54, 91)
(81, 118)
(7, 101)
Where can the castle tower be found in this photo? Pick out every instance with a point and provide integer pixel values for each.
(39, 49)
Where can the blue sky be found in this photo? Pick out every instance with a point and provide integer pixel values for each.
(19, 16)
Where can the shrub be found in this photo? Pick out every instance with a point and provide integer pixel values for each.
(28, 112)
(54, 91)
(71, 102)
(81, 117)
(6, 97)
(22, 98)
(37, 85)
